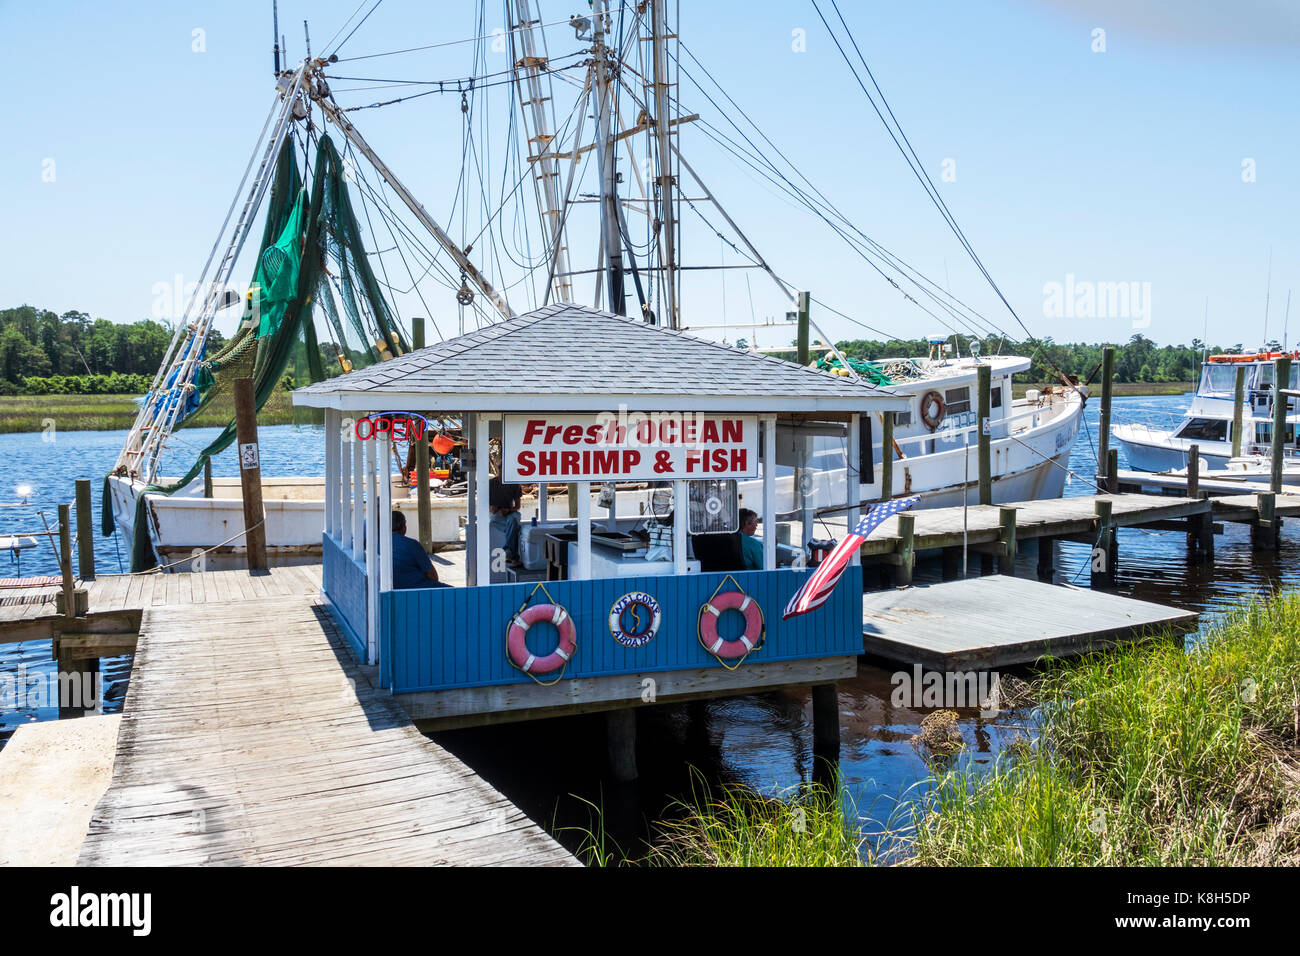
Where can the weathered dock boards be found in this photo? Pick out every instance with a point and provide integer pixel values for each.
(250, 737)
(1000, 621)
(1052, 517)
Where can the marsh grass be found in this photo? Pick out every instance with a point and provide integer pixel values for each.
(29, 413)
(1150, 755)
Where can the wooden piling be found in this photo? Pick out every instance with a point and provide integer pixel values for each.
(620, 731)
(1103, 426)
(1281, 381)
(1046, 559)
(826, 722)
(906, 550)
(984, 387)
(951, 564)
(207, 477)
(1104, 550)
(1238, 400)
(250, 473)
(1112, 471)
(1194, 471)
(1007, 538)
(1264, 530)
(804, 321)
(65, 561)
(85, 531)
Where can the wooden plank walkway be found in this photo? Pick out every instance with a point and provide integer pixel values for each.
(249, 736)
(114, 592)
(1000, 621)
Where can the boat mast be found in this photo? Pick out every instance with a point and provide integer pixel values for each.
(538, 116)
(611, 236)
(667, 225)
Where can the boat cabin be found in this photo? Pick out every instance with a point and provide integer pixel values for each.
(631, 580)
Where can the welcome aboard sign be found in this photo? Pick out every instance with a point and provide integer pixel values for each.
(659, 446)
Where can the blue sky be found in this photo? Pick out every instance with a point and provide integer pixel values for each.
(1122, 166)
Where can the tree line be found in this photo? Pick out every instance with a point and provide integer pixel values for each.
(1138, 360)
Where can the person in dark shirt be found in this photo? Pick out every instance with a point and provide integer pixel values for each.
(503, 506)
(411, 566)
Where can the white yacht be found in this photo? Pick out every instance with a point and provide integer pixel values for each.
(1208, 422)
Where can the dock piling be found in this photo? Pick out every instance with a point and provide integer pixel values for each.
(620, 731)
(1194, 471)
(826, 725)
(1007, 540)
(1264, 530)
(906, 550)
(1112, 471)
(250, 473)
(85, 531)
(1105, 551)
(1103, 425)
(1046, 559)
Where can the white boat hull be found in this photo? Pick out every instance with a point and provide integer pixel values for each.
(1029, 460)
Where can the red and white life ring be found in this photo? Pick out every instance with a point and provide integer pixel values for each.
(932, 409)
(731, 601)
(517, 648)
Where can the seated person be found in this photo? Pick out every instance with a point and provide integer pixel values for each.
(503, 505)
(411, 566)
(751, 549)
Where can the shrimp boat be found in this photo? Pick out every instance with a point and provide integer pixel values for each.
(1208, 422)
(314, 267)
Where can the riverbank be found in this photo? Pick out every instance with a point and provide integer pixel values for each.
(1149, 755)
(76, 413)
(1122, 389)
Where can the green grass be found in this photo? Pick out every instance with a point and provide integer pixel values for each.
(31, 413)
(1145, 756)
(734, 826)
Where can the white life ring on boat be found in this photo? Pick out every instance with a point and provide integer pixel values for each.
(517, 647)
(932, 409)
(712, 609)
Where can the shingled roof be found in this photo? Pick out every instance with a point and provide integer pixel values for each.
(567, 356)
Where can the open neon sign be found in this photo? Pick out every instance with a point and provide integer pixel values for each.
(398, 426)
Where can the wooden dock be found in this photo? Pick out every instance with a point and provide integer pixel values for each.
(250, 736)
(1000, 621)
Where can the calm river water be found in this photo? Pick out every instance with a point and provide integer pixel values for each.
(555, 769)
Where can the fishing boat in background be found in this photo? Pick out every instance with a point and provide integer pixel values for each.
(314, 270)
(1208, 423)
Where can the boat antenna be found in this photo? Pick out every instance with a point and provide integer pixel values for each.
(275, 33)
(307, 37)
(1285, 318)
(1268, 291)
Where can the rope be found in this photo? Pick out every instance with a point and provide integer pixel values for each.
(164, 567)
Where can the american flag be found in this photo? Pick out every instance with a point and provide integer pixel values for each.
(822, 581)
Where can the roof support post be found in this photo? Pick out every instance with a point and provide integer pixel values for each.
(482, 517)
(583, 571)
(853, 481)
(681, 509)
(331, 472)
(385, 525)
(769, 493)
(372, 554)
(358, 497)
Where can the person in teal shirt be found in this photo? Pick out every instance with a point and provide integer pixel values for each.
(751, 549)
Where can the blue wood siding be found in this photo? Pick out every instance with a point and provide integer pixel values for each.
(345, 586)
(432, 639)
